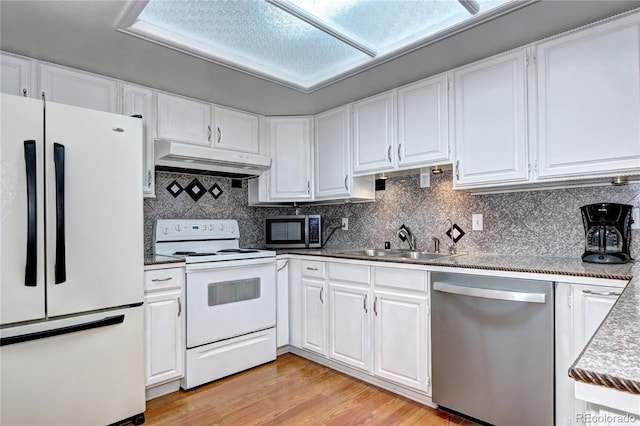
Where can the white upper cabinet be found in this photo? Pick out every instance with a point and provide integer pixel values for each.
(290, 149)
(490, 134)
(77, 88)
(332, 156)
(184, 120)
(16, 76)
(139, 101)
(373, 133)
(423, 123)
(588, 105)
(236, 130)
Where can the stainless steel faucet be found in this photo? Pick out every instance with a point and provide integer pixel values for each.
(451, 247)
(405, 233)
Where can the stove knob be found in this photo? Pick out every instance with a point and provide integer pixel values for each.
(165, 231)
(212, 227)
(232, 229)
(178, 227)
(221, 227)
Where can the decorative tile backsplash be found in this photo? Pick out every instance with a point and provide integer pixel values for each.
(544, 223)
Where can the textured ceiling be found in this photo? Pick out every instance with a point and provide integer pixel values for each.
(81, 34)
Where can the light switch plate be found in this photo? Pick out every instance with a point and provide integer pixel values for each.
(345, 223)
(477, 223)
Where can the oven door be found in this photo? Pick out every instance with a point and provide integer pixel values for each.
(229, 298)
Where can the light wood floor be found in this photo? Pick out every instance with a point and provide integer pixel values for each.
(291, 391)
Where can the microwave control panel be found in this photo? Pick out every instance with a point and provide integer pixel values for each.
(314, 230)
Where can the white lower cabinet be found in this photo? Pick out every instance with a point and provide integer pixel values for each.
(401, 321)
(372, 320)
(164, 330)
(350, 315)
(580, 309)
(314, 307)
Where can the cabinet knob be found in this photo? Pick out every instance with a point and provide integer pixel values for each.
(219, 134)
(209, 133)
(399, 152)
(389, 153)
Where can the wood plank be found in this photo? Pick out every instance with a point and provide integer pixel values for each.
(292, 391)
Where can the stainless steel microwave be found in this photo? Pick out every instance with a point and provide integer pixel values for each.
(293, 231)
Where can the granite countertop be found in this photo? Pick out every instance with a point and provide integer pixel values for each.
(156, 259)
(612, 357)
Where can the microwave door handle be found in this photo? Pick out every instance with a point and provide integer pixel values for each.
(306, 231)
(31, 268)
(60, 266)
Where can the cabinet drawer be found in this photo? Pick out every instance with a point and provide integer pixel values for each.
(399, 278)
(161, 279)
(350, 273)
(314, 269)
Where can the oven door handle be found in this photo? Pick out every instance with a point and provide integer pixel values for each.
(486, 293)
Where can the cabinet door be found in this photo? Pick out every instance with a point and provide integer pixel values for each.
(236, 130)
(184, 120)
(78, 88)
(589, 102)
(423, 123)
(164, 337)
(290, 144)
(490, 126)
(314, 316)
(139, 101)
(401, 336)
(373, 134)
(350, 325)
(332, 157)
(15, 76)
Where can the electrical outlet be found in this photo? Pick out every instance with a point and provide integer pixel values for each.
(345, 223)
(477, 222)
(635, 216)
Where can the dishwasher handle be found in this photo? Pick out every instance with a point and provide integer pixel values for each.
(486, 293)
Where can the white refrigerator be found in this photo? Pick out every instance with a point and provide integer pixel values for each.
(71, 265)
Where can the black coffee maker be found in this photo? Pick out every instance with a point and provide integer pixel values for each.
(607, 229)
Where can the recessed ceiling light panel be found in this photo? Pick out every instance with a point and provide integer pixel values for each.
(303, 44)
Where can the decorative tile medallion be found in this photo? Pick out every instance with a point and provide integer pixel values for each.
(195, 189)
(175, 188)
(457, 232)
(215, 191)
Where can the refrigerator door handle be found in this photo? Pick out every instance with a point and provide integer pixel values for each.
(61, 263)
(31, 268)
(107, 321)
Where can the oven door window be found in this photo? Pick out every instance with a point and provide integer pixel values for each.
(233, 291)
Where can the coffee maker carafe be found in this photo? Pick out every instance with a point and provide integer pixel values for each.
(607, 229)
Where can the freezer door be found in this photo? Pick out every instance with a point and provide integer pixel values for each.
(94, 205)
(21, 210)
(89, 377)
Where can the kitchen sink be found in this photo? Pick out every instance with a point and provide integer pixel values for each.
(421, 255)
(403, 254)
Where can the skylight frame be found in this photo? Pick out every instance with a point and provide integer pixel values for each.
(129, 24)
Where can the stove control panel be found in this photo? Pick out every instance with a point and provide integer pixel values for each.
(196, 229)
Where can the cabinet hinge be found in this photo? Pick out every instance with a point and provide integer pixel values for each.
(570, 300)
(428, 382)
(526, 61)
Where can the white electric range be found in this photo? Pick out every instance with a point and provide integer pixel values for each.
(230, 297)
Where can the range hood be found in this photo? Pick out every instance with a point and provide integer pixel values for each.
(176, 155)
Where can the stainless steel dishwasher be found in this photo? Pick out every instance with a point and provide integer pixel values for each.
(493, 348)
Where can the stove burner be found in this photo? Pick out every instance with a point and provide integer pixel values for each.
(192, 253)
(224, 251)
